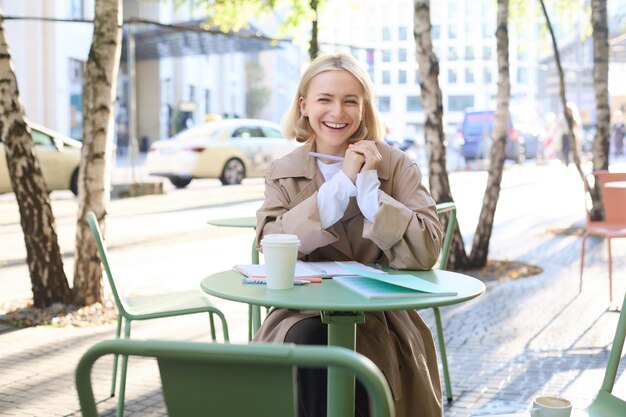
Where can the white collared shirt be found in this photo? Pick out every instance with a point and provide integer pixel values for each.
(334, 195)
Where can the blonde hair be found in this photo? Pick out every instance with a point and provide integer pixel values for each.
(295, 125)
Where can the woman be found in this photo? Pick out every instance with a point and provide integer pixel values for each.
(371, 207)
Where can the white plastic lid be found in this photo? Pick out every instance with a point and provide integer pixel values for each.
(280, 239)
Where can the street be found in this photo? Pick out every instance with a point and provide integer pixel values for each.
(522, 338)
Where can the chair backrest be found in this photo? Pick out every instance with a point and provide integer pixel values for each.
(606, 404)
(97, 235)
(443, 208)
(614, 199)
(230, 380)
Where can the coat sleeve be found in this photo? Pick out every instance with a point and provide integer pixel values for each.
(298, 215)
(406, 227)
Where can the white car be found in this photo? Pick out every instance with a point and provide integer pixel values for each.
(59, 158)
(230, 149)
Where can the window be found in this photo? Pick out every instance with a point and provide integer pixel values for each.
(402, 77)
(41, 139)
(469, 52)
(413, 103)
(486, 52)
(386, 77)
(436, 31)
(460, 103)
(402, 33)
(452, 77)
(453, 32)
(248, 132)
(386, 55)
(417, 76)
(386, 34)
(488, 31)
(486, 75)
(270, 132)
(77, 9)
(452, 55)
(384, 104)
(469, 75)
(402, 55)
(522, 75)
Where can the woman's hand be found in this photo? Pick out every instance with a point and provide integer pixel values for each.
(369, 151)
(352, 163)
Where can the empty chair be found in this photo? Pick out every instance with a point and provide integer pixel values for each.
(443, 208)
(606, 404)
(147, 307)
(234, 380)
(614, 223)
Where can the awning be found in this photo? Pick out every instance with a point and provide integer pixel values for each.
(154, 40)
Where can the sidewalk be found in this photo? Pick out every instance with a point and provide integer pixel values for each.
(525, 337)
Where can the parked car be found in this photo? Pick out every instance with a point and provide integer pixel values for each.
(230, 150)
(524, 140)
(59, 158)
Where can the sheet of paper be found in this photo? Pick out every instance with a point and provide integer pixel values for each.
(406, 281)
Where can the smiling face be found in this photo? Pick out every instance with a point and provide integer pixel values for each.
(334, 106)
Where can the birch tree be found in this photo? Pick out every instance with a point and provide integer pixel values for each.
(43, 256)
(99, 92)
(569, 119)
(430, 93)
(601, 142)
(480, 244)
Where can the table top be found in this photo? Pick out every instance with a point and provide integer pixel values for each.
(332, 296)
(615, 184)
(234, 222)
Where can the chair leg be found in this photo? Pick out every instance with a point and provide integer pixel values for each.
(224, 325)
(120, 401)
(582, 262)
(610, 273)
(444, 357)
(117, 336)
(212, 323)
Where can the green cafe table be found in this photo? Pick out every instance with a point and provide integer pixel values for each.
(342, 309)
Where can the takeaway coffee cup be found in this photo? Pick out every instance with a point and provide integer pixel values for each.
(551, 407)
(281, 253)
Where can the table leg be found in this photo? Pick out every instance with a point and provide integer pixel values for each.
(341, 332)
(254, 311)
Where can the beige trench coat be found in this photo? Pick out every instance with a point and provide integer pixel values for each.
(405, 234)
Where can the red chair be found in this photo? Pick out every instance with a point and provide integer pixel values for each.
(614, 223)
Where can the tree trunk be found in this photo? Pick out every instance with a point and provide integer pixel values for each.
(568, 116)
(601, 141)
(433, 124)
(480, 244)
(99, 92)
(43, 255)
(314, 46)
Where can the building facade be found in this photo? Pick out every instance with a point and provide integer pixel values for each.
(173, 90)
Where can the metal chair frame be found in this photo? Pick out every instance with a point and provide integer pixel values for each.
(148, 307)
(229, 380)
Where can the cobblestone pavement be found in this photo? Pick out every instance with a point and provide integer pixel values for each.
(524, 337)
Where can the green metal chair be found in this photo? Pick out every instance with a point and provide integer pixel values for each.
(147, 307)
(230, 380)
(443, 208)
(606, 404)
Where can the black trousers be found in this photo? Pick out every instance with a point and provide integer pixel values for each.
(312, 382)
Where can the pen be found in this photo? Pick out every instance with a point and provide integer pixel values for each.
(323, 155)
(264, 281)
(310, 279)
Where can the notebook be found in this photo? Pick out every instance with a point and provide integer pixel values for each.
(376, 285)
(309, 269)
